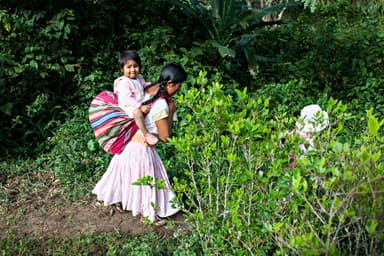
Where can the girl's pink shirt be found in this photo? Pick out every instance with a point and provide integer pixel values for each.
(130, 94)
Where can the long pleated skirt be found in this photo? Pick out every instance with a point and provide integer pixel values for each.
(137, 160)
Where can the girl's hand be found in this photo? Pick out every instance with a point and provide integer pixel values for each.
(144, 108)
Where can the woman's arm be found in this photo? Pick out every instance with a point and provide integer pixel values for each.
(164, 125)
(163, 129)
(172, 110)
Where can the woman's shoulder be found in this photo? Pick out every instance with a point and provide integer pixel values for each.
(159, 108)
(160, 103)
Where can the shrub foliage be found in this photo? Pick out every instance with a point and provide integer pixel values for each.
(246, 85)
(244, 199)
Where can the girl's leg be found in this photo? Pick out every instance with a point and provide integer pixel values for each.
(139, 119)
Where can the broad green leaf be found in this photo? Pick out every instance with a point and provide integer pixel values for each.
(7, 27)
(371, 226)
(33, 64)
(296, 182)
(224, 51)
(69, 68)
(373, 125)
(337, 147)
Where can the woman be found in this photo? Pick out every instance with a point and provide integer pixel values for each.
(140, 160)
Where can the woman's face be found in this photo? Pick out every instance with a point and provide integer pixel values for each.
(131, 69)
(172, 88)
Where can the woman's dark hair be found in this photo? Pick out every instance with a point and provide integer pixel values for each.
(128, 55)
(174, 72)
(170, 72)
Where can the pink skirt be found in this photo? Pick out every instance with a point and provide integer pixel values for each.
(136, 161)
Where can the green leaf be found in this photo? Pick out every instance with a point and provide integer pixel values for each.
(268, 226)
(6, 108)
(159, 184)
(364, 154)
(296, 182)
(371, 226)
(337, 147)
(7, 26)
(224, 51)
(305, 185)
(91, 145)
(33, 64)
(69, 68)
(373, 125)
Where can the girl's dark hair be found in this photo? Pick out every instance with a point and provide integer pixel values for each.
(170, 72)
(128, 55)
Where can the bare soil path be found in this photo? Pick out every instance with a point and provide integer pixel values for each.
(34, 205)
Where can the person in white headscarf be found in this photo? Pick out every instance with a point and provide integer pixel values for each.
(312, 120)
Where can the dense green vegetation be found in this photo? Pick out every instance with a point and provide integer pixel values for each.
(251, 69)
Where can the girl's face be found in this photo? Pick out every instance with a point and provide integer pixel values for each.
(131, 69)
(172, 88)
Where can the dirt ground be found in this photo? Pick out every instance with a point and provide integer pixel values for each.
(33, 205)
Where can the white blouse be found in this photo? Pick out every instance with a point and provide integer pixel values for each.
(159, 110)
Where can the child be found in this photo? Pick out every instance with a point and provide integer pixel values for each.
(312, 120)
(129, 89)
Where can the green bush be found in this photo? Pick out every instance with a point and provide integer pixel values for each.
(88, 244)
(242, 198)
(337, 49)
(337, 194)
(76, 158)
(37, 66)
(51, 48)
(224, 149)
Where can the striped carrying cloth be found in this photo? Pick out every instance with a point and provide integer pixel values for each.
(112, 127)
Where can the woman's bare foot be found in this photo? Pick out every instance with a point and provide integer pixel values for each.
(118, 207)
(160, 222)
